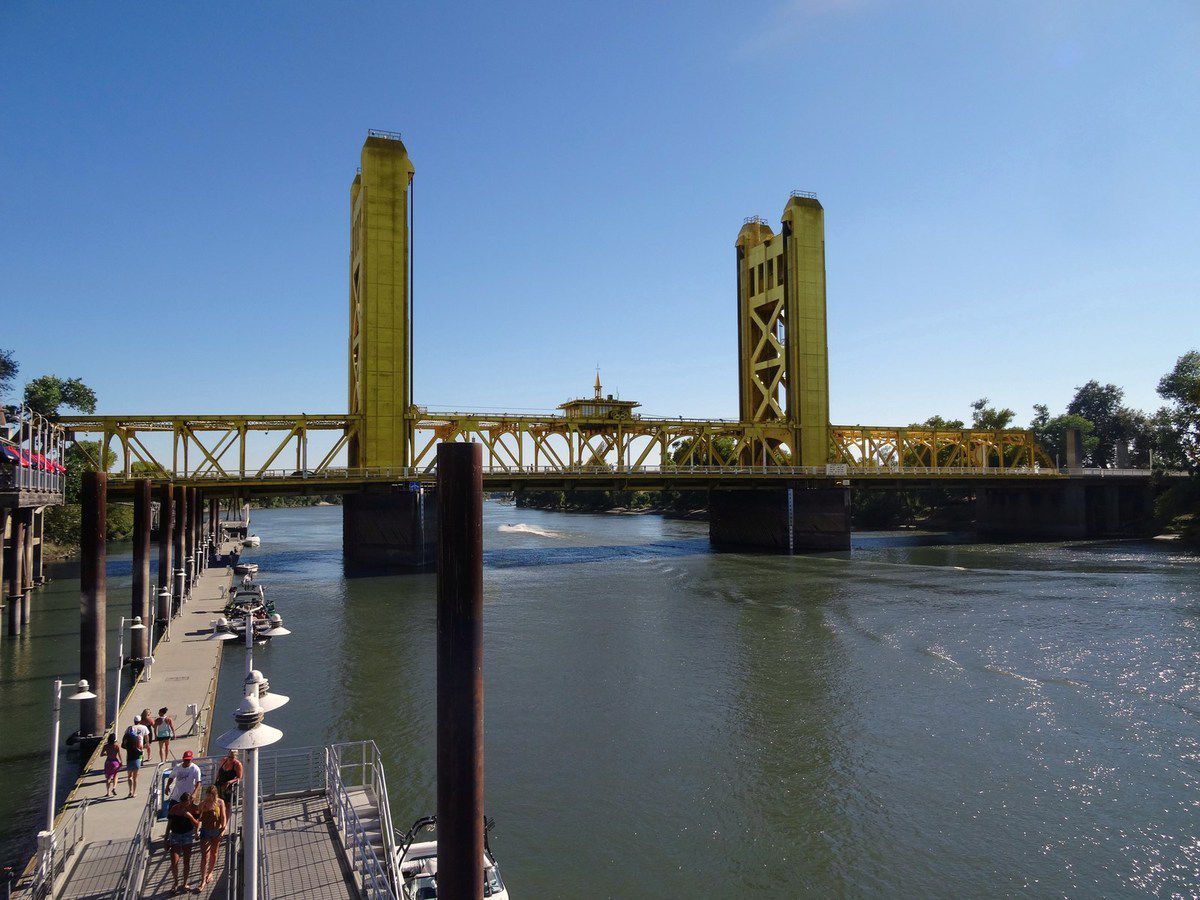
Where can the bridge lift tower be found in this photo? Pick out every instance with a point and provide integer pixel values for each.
(393, 527)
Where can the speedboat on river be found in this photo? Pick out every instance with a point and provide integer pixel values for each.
(416, 859)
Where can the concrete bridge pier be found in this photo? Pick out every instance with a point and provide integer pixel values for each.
(390, 531)
(795, 519)
(1071, 511)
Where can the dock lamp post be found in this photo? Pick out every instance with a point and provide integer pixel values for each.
(82, 692)
(135, 624)
(249, 735)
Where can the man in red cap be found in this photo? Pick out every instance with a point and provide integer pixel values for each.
(184, 778)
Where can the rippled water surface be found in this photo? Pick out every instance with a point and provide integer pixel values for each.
(919, 717)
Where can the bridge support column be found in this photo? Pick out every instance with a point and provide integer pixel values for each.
(393, 531)
(1058, 512)
(794, 519)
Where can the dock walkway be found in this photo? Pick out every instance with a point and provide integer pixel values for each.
(184, 672)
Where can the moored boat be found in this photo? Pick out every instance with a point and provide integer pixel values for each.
(416, 860)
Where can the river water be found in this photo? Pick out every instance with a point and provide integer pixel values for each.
(921, 716)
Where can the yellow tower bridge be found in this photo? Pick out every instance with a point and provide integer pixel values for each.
(380, 453)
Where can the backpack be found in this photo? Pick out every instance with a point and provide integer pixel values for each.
(130, 742)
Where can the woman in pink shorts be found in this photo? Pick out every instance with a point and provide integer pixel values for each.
(112, 764)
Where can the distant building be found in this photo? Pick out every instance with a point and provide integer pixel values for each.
(598, 406)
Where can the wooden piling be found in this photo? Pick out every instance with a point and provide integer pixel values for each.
(142, 514)
(460, 671)
(93, 601)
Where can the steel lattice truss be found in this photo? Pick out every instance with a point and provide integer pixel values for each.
(214, 448)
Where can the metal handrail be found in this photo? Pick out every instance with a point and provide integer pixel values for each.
(264, 862)
(130, 884)
(55, 850)
(372, 774)
(373, 879)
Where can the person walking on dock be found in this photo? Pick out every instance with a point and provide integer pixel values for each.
(182, 821)
(112, 765)
(164, 732)
(136, 739)
(229, 773)
(184, 778)
(213, 819)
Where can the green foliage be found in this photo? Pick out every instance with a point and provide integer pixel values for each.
(722, 450)
(1181, 387)
(63, 523)
(988, 418)
(300, 501)
(46, 395)
(81, 457)
(1052, 433)
(118, 521)
(8, 372)
(1112, 422)
(939, 424)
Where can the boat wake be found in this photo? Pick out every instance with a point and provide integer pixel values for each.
(522, 528)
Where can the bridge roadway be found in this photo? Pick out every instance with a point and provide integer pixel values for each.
(508, 478)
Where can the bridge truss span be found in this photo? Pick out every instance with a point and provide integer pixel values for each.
(241, 448)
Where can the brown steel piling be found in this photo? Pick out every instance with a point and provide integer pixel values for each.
(142, 513)
(180, 549)
(27, 581)
(166, 532)
(16, 573)
(93, 601)
(460, 671)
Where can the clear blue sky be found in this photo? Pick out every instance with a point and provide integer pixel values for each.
(1010, 190)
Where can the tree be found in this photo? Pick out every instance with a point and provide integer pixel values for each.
(937, 423)
(722, 450)
(47, 394)
(1052, 434)
(1112, 422)
(988, 418)
(1181, 387)
(8, 372)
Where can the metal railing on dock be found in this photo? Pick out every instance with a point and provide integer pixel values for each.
(56, 849)
(377, 879)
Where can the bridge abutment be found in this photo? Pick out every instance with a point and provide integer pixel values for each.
(1071, 511)
(394, 531)
(794, 519)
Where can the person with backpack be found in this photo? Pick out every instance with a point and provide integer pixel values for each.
(137, 738)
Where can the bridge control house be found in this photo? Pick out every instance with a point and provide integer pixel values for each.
(599, 406)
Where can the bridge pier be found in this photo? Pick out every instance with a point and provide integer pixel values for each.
(390, 531)
(794, 519)
(1071, 511)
